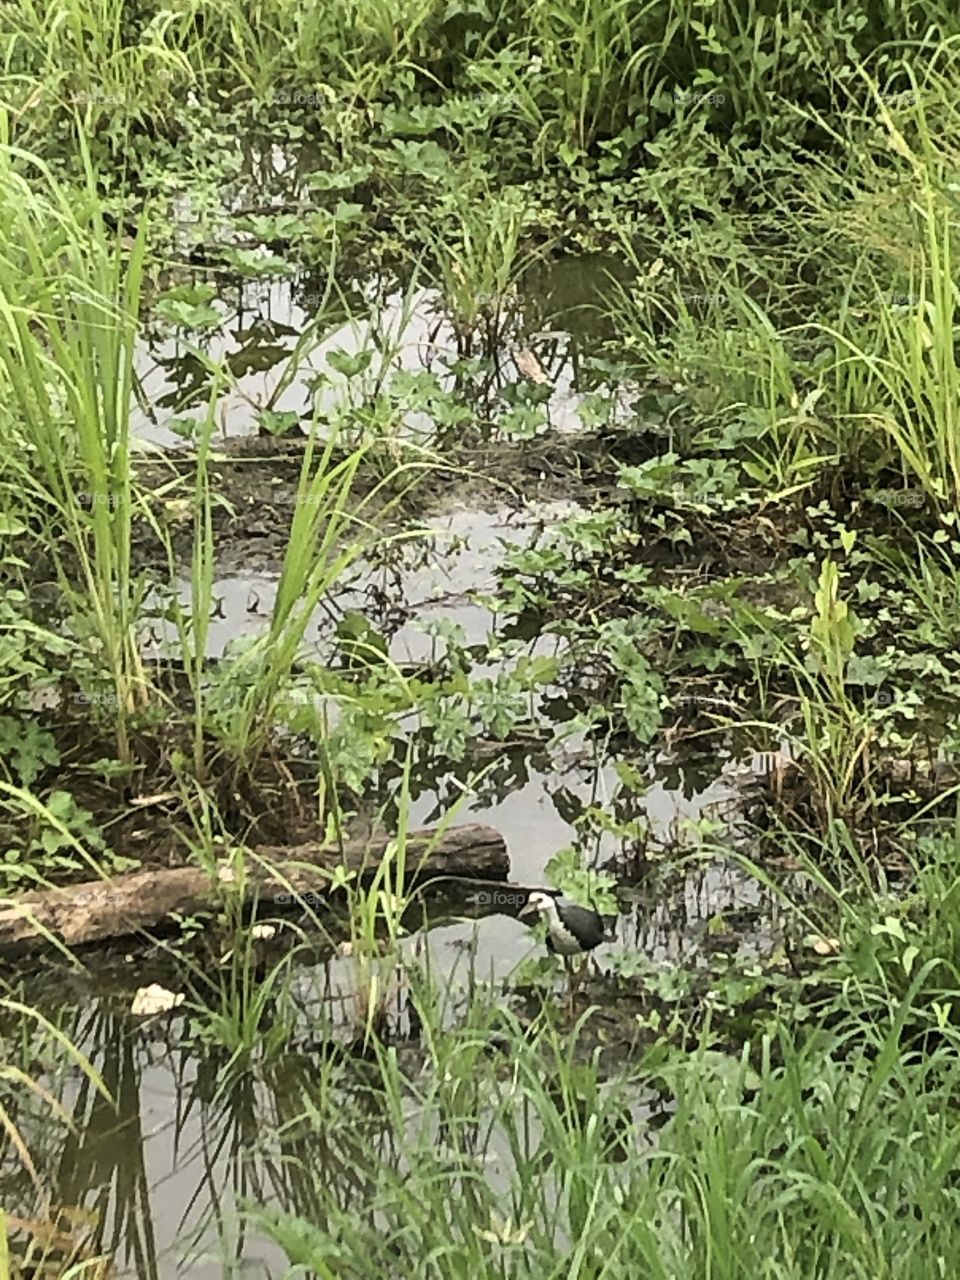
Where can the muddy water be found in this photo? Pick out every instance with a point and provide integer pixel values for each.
(192, 1161)
(169, 1173)
(467, 546)
(275, 337)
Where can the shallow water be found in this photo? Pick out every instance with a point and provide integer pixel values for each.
(183, 1219)
(170, 1172)
(465, 547)
(263, 321)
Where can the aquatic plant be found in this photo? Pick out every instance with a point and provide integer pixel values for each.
(69, 312)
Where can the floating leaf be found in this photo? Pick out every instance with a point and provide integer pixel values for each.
(188, 315)
(347, 364)
(278, 422)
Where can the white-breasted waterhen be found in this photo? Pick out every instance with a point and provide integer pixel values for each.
(571, 930)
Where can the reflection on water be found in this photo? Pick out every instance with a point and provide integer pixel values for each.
(169, 1173)
(275, 337)
(438, 579)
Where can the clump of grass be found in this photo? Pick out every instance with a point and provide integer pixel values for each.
(511, 1155)
(243, 1009)
(69, 311)
(833, 749)
(914, 377)
(332, 527)
(477, 254)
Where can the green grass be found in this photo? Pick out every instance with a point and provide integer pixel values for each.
(787, 333)
(831, 1154)
(69, 314)
(824, 1145)
(479, 252)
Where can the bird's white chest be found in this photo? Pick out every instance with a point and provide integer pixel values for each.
(563, 941)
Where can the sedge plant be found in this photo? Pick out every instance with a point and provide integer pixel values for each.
(69, 311)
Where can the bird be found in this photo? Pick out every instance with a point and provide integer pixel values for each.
(571, 930)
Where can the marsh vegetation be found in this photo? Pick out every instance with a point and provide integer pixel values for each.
(538, 415)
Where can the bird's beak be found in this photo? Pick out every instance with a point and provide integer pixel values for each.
(526, 910)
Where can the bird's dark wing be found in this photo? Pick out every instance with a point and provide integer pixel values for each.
(586, 924)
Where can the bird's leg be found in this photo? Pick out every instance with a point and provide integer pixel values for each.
(568, 968)
(577, 976)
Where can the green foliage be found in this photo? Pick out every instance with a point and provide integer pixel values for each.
(66, 353)
(57, 839)
(785, 1150)
(772, 372)
(26, 750)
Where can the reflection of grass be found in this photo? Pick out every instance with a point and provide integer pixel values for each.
(51, 1234)
(376, 910)
(22, 1078)
(494, 1143)
(55, 1246)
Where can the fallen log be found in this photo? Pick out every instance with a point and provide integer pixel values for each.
(280, 877)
